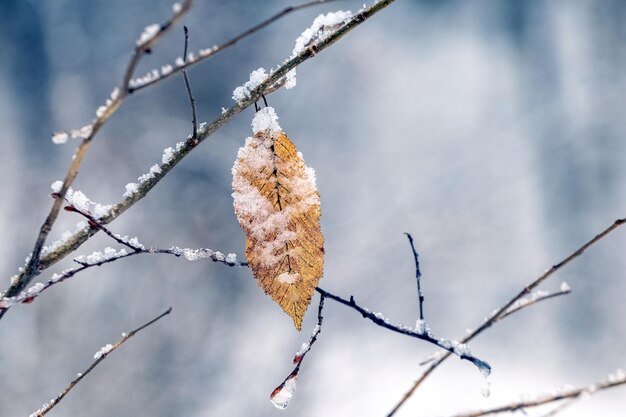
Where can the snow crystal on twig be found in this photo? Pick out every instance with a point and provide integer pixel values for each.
(176, 8)
(170, 153)
(565, 287)
(132, 188)
(80, 227)
(102, 110)
(134, 242)
(84, 132)
(60, 138)
(149, 32)
(207, 51)
(322, 26)
(99, 257)
(154, 170)
(231, 259)
(80, 201)
(103, 351)
(243, 92)
(421, 327)
(34, 290)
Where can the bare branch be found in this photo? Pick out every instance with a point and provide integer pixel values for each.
(613, 381)
(100, 258)
(282, 393)
(452, 347)
(502, 311)
(523, 303)
(418, 275)
(192, 101)
(99, 357)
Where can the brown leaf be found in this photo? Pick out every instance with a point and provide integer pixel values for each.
(277, 205)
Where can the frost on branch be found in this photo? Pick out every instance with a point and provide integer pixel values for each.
(84, 132)
(322, 26)
(243, 92)
(103, 351)
(79, 200)
(277, 204)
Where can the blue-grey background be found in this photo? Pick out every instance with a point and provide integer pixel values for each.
(494, 131)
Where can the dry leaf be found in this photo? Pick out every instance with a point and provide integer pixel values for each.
(277, 204)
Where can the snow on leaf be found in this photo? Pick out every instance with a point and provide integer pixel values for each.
(277, 204)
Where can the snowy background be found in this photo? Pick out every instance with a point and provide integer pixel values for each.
(493, 131)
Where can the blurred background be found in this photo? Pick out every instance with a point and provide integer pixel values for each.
(493, 131)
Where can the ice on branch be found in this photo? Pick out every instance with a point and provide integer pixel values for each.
(322, 26)
(177, 7)
(80, 201)
(149, 32)
(99, 257)
(306, 346)
(103, 351)
(283, 393)
(565, 287)
(243, 92)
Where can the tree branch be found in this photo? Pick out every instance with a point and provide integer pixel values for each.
(35, 265)
(418, 276)
(204, 54)
(192, 101)
(204, 132)
(452, 347)
(99, 357)
(110, 255)
(613, 381)
(502, 311)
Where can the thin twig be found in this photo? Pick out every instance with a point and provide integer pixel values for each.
(418, 275)
(144, 188)
(528, 303)
(35, 264)
(99, 357)
(516, 308)
(502, 311)
(561, 407)
(452, 347)
(550, 398)
(305, 349)
(192, 101)
(28, 296)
